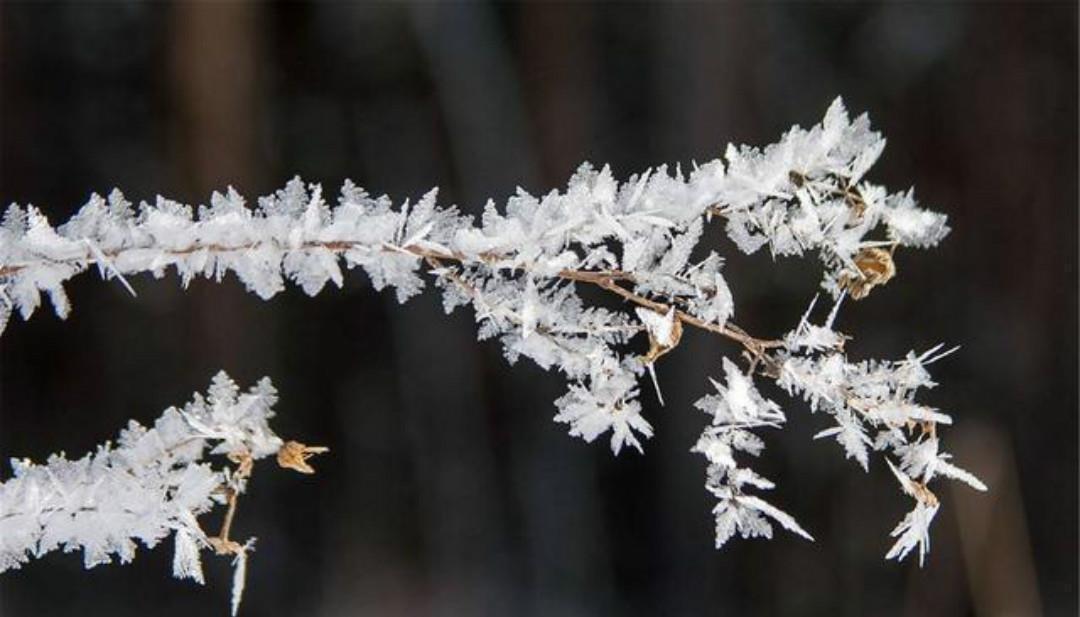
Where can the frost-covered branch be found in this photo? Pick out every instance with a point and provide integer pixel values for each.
(522, 265)
(152, 483)
(872, 404)
(736, 409)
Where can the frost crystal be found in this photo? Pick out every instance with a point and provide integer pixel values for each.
(151, 483)
(736, 409)
(521, 267)
(872, 404)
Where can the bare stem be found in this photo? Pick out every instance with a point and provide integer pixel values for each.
(226, 524)
(244, 466)
(605, 279)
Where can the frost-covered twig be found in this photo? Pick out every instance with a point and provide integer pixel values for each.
(151, 483)
(521, 266)
(873, 406)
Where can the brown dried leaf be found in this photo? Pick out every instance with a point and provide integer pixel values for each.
(294, 455)
(876, 267)
(656, 349)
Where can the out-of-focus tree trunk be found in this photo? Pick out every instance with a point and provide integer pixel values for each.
(214, 52)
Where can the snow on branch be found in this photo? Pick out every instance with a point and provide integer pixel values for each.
(522, 265)
(151, 483)
(802, 194)
(736, 409)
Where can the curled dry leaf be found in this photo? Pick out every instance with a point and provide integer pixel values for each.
(665, 332)
(876, 267)
(294, 455)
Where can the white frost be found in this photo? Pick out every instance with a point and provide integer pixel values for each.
(519, 266)
(151, 483)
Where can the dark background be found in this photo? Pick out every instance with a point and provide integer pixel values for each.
(449, 490)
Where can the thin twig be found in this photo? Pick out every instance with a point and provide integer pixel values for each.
(605, 279)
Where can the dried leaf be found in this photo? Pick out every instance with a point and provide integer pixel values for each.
(876, 267)
(294, 455)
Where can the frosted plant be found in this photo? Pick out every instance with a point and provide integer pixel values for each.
(152, 483)
(522, 265)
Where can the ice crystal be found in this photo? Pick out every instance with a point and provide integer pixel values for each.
(521, 268)
(151, 483)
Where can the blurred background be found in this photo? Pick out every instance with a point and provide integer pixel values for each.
(449, 490)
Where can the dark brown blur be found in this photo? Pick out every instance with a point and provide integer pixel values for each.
(449, 490)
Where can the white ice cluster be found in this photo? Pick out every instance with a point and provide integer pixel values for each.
(872, 405)
(151, 483)
(522, 266)
(807, 193)
(736, 409)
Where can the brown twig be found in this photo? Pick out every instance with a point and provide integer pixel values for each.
(605, 279)
(291, 455)
(244, 466)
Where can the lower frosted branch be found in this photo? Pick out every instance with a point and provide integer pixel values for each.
(151, 483)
